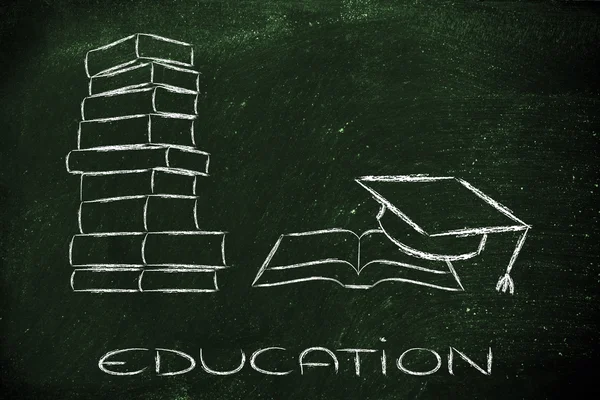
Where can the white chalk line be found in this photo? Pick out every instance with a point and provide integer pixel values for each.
(152, 180)
(179, 171)
(223, 249)
(81, 187)
(320, 232)
(159, 233)
(146, 213)
(455, 274)
(192, 136)
(196, 212)
(131, 116)
(392, 208)
(504, 210)
(79, 217)
(149, 128)
(324, 278)
(267, 260)
(171, 266)
(481, 231)
(143, 249)
(175, 171)
(142, 196)
(403, 178)
(144, 146)
(403, 265)
(165, 39)
(310, 263)
(517, 250)
(121, 71)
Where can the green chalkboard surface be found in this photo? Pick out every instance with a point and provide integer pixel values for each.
(269, 150)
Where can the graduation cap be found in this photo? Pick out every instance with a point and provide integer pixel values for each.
(442, 218)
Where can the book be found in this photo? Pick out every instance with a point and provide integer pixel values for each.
(350, 260)
(136, 130)
(143, 74)
(136, 158)
(151, 249)
(106, 280)
(150, 100)
(140, 213)
(139, 46)
(148, 181)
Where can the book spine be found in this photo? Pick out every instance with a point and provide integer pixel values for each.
(136, 130)
(173, 249)
(117, 54)
(154, 100)
(174, 76)
(151, 181)
(165, 50)
(188, 159)
(131, 280)
(111, 160)
(106, 280)
(174, 280)
(150, 213)
(144, 74)
(126, 51)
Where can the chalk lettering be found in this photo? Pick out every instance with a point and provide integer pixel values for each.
(467, 359)
(261, 370)
(179, 353)
(357, 357)
(214, 372)
(108, 362)
(402, 368)
(336, 364)
(102, 362)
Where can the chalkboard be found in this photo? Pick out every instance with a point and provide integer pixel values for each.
(433, 141)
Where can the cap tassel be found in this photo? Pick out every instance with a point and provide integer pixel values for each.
(505, 283)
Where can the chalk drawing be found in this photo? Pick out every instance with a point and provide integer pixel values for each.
(139, 165)
(140, 46)
(113, 362)
(442, 214)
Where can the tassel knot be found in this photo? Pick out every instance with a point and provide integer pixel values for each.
(505, 283)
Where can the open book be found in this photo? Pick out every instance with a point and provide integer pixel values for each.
(350, 260)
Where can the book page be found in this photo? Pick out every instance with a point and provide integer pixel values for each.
(382, 261)
(320, 255)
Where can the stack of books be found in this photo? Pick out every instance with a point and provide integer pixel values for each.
(141, 173)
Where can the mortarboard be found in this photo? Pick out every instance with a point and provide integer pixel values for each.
(442, 218)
